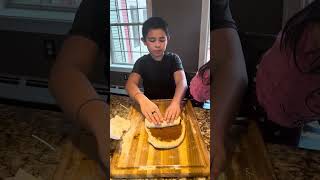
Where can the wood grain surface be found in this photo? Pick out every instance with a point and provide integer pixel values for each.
(136, 158)
(79, 160)
(250, 160)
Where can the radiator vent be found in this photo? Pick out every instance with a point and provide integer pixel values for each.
(9, 80)
(102, 91)
(37, 83)
(33, 89)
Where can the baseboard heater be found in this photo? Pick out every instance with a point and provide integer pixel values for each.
(34, 90)
(116, 89)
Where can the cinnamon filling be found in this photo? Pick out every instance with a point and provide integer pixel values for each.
(167, 133)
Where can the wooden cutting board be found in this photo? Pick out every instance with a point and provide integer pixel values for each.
(249, 157)
(136, 158)
(78, 160)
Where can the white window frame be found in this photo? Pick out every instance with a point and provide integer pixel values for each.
(204, 33)
(128, 67)
(35, 20)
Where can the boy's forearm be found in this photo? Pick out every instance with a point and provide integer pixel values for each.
(230, 80)
(134, 92)
(180, 91)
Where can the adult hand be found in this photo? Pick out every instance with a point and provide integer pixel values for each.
(172, 112)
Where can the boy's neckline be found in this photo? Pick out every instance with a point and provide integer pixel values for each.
(157, 60)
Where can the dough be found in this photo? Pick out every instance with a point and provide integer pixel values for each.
(167, 144)
(163, 124)
(118, 126)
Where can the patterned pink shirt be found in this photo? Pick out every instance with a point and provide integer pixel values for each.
(289, 90)
(200, 88)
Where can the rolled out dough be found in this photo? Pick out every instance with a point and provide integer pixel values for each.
(166, 144)
(163, 124)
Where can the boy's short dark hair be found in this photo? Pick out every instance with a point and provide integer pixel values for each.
(154, 23)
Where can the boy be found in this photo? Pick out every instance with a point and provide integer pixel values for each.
(162, 74)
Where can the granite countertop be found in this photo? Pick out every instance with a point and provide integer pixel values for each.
(19, 149)
(291, 163)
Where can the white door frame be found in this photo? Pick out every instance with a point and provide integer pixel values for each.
(204, 32)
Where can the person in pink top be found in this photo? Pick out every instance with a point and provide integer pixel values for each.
(200, 84)
(288, 78)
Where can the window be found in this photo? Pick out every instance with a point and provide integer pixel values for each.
(38, 16)
(135, 15)
(67, 5)
(126, 19)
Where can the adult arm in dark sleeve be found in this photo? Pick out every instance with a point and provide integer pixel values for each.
(229, 78)
(69, 82)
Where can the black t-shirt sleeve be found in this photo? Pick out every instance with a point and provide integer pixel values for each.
(176, 63)
(91, 21)
(137, 67)
(220, 15)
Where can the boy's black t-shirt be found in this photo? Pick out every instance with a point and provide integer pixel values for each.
(158, 76)
(220, 15)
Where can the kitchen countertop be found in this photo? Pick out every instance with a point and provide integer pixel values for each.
(294, 163)
(18, 149)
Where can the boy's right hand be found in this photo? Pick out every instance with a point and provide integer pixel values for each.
(151, 111)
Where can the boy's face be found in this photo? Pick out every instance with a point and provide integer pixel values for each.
(156, 42)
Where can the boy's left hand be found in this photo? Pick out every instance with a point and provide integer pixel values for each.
(172, 112)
